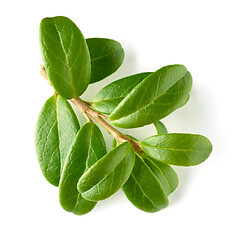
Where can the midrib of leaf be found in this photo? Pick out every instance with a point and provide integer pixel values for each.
(97, 58)
(161, 173)
(122, 95)
(142, 190)
(49, 50)
(66, 57)
(89, 147)
(150, 103)
(75, 205)
(51, 160)
(107, 99)
(175, 149)
(69, 155)
(57, 122)
(97, 185)
(166, 180)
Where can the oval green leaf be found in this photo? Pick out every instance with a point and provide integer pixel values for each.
(143, 188)
(108, 174)
(160, 127)
(56, 128)
(106, 55)
(177, 149)
(65, 55)
(111, 95)
(87, 148)
(154, 98)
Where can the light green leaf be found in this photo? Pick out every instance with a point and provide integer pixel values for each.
(56, 128)
(177, 148)
(106, 55)
(108, 174)
(143, 188)
(87, 148)
(154, 98)
(110, 96)
(160, 127)
(66, 56)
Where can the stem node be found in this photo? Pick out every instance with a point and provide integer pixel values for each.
(100, 118)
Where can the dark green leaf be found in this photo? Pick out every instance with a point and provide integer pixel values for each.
(66, 56)
(160, 127)
(154, 98)
(87, 148)
(165, 175)
(108, 174)
(56, 128)
(106, 57)
(110, 96)
(177, 148)
(143, 188)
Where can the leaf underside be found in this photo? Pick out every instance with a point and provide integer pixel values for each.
(106, 55)
(56, 128)
(160, 127)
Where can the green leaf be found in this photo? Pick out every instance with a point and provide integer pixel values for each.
(106, 55)
(87, 148)
(177, 148)
(56, 128)
(154, 98)
(108, 174)
(164, 173)
(110, 96)
(66, 56)
(143, 188)
(160, 127)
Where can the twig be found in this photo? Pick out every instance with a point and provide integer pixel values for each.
(44, 74)
(84, 108)
(87, 111)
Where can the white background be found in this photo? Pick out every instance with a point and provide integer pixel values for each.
(202, 35)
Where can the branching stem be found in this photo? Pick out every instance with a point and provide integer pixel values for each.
(100, 118)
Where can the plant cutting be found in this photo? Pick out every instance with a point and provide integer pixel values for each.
(74, 158)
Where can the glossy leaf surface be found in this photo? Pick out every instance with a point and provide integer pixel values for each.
(143, 188)
(108, 174)
(164, 173)
(177, 148)
(56, 128)
(110, 96)
(154, 98)
(66, 56)
(87, 148)
(160, 127)
(106, 55)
